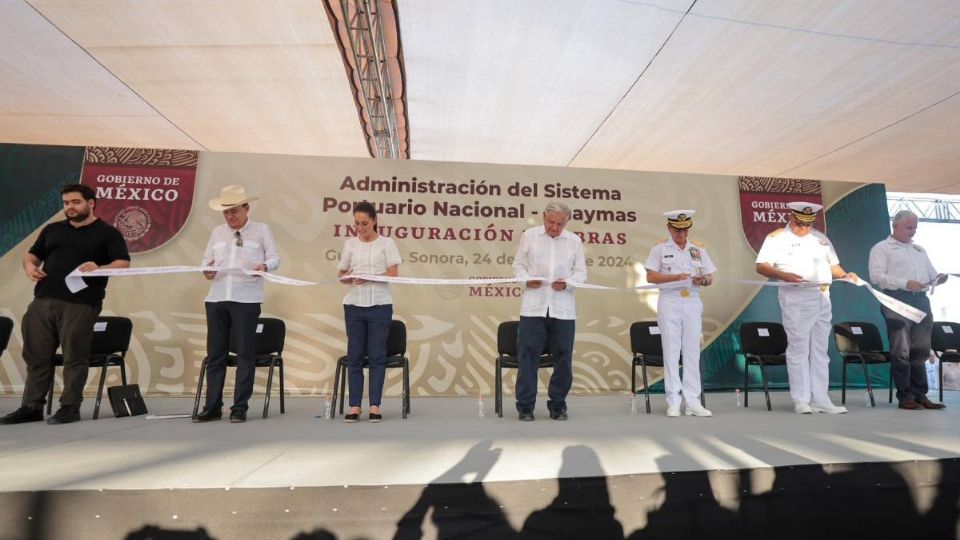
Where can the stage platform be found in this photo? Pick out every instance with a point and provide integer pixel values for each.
(444, 472)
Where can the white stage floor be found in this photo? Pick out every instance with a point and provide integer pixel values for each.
(295, 449)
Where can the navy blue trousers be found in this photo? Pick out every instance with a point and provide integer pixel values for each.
(534, 335)
(367, 331)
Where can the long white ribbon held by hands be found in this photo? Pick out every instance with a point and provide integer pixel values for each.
(497, 281)
(75, 283)
(894, 305)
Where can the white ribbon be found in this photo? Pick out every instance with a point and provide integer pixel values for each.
(75, 283)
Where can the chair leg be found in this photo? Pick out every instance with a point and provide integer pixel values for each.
(498, 389)
(336, 389)
(196, 401)
(103, 379)
(123, 371)
(843, 382)
(890, 397)
(633, 376)
(283, 392)
(703, 391)
(940, 376)
(866, 376)
(343, 386)
(266, 397)
(766, 390)
(746, 383)
(646, 385)
(50, 392)
(405, 403)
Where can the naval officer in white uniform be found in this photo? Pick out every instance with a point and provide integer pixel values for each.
(680, 311)
(798, 253)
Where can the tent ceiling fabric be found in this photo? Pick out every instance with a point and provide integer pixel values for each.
(863, 90)
(242, 76)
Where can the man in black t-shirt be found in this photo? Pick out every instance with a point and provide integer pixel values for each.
(58, 317)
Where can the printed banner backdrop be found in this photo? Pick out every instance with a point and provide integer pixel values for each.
(146, 194)
(451, 220)
(763, 205)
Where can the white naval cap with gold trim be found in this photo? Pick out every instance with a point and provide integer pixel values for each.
(805, 212)
(680, 219)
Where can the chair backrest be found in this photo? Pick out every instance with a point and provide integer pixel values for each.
(111, 335)
(854, 337)
(645, 338)
(6, 329)
(269, 338)
(397, 339)
(763, 338)
(946, 336)
(507, 335)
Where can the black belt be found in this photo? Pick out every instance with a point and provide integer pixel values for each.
(901, 292)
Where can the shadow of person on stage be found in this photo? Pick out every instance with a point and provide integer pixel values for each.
(689, 508)
(461, 507)
(582, 506)
(317, 534)
(150, 532)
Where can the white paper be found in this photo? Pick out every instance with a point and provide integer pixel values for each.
(654, 330)
(259, 328)
(856, 330)
(763, 332)
(100, 326)
(947, 329)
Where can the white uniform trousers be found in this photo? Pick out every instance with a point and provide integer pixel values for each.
(806, 319)
(681, 324)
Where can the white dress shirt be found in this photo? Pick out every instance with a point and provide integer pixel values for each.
(667, 258)
(541, 255)
(893, 264)
(222, 251)
(810, 256)
(372, 258)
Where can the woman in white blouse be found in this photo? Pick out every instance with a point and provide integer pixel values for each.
(367, 307)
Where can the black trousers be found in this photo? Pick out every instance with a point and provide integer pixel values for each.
(47, 324)
(224, 318)
(909, 347)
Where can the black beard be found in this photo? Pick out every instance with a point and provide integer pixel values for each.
(79, 217)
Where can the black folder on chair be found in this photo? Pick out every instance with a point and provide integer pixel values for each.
(126, 400)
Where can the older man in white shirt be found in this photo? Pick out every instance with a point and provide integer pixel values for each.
(233, 302)
(903, 270)
(548, 311)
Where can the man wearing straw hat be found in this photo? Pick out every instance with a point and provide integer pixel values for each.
(680, 311)
(234, 298)
(797, 253)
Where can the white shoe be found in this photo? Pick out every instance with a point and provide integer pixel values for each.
(802, 408)
(697, 410)
(673, 411)
(828, 408)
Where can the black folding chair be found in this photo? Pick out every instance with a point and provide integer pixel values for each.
(507, 358)
(396, 358)
(946, 345)
(762, 344)
(860, 343)
(268, 353)
(647, 347)
(111, 339)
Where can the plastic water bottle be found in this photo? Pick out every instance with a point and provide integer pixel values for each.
(631, 403)
(327, 408)
(480, 412)
(737, 394)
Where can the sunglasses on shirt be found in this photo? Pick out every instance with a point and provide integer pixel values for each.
(237, 239)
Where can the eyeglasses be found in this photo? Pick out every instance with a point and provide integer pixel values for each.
(237, 239)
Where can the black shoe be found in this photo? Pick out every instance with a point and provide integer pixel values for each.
(525, 417)
(558, 415)
(376, 417)
(351, 418)
(237, 416)
(23, 415)
(66, 414)
(207, 415)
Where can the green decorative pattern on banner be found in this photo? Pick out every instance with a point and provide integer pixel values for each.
(30, 179)
(854, 225)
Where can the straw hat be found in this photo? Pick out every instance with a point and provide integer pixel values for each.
(230, 197)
